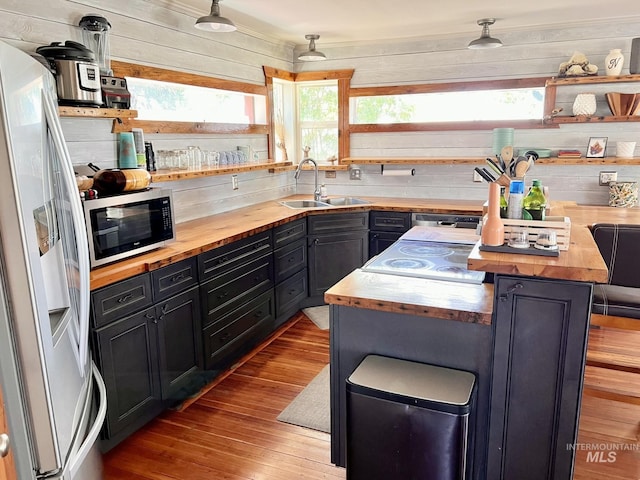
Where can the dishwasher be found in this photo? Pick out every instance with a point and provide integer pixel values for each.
(445, 220)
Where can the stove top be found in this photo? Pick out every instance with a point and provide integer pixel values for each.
(434, 260)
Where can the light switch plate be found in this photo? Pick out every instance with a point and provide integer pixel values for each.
(234, 182)
(606, 177)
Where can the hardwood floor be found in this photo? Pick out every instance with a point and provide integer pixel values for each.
(231, 432)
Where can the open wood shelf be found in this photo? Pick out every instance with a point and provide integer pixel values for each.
(89, 112)
(481, 161)
(590, 80)
(592, 119)
(174, 175)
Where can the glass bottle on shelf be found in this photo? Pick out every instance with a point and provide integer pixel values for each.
(535, 202)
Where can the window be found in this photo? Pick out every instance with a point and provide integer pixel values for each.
(463, 106)
(160, 100)
(317, 124)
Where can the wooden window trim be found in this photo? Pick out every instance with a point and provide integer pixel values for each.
(344, 82)
(124, 69)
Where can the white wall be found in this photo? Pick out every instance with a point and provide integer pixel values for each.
(165, 37)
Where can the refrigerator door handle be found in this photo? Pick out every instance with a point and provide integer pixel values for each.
(94, 431)
(79, 229)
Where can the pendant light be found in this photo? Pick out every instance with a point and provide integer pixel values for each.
(312, 55)
(485, 40)
(214, 22)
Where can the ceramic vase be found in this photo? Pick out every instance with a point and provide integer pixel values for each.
(584, 104)
(493, 228)
(613, 62)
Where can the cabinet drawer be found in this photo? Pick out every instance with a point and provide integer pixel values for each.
(226, 340)
(226, 292)
(289, 259)
(287, 233)
(121, 299)
(340, 222)
(227, 257)
(175, 278)
(389, 221)
(290, 292)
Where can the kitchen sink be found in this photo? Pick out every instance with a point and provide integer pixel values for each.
(304, 204)
(339, 201)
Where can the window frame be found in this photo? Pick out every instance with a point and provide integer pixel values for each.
(125, 69)
(446, 87)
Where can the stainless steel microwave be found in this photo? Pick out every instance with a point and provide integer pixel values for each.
(124, 225)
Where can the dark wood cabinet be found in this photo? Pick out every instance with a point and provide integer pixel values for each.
(290, 268)
(179, 345)
(338, 244)
(148, 345)
(238, 307)
(237, 332)
(540, 336)
(127, 354)
(385, 228)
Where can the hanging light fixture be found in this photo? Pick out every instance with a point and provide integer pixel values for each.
(214, 22)
(312, 55)
(485, 40)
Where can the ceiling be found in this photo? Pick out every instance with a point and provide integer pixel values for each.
(339, 21)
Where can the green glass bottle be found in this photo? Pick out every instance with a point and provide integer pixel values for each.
(503, 203)
(535, 202)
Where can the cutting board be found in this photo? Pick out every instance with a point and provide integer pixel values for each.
(442, 234)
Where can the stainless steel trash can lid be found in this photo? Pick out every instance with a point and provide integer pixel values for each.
(414, 380)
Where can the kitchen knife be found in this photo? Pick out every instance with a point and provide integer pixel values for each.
(484, 175)
(495, 167)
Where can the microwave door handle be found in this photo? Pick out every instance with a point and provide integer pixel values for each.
(78, 227)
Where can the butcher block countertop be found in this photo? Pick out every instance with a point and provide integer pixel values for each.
(463, 302)
(197, 236)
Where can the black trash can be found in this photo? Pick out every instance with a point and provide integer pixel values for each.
(408, 421)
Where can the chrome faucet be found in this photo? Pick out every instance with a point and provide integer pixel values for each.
(316, 192)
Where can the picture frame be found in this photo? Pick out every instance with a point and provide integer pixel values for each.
(597, 147)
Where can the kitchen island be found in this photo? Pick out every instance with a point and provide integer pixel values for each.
(523, 337)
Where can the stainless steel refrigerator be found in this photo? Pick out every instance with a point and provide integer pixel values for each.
(54, 396)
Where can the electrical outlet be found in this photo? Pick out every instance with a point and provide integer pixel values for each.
(606, 177)
(476, 177)
(234, 181)
(354, 174)
(329, 174)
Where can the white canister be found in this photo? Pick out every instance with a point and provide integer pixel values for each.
(625, 149)
(584, 104)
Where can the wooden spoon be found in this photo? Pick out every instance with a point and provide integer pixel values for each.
(506, 154)
(521, 168)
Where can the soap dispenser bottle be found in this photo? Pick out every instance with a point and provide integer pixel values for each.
(323, 193)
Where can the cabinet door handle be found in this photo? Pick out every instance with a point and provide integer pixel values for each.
(516, 286)
(125, 298)
(258, 314)
(292, 291)
(223, 260)
(223, 295)
(316, 241)
(177, 277)
(225, 337)
(257, 279)
(291, 259)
